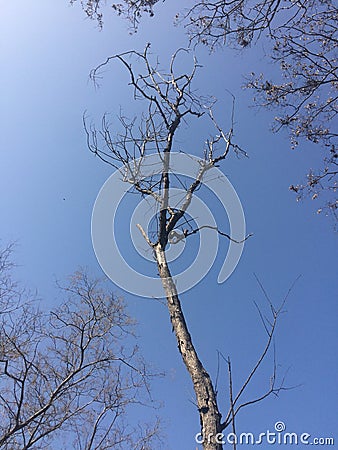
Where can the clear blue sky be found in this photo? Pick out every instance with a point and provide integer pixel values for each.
(47, 50)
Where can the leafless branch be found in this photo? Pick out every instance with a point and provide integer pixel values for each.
(170, 99)
(270, 328)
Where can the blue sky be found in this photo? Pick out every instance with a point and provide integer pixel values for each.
(49, 182)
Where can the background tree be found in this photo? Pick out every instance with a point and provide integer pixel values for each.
(301, 36)
(69, 377)
(171, 100)
(131, 9)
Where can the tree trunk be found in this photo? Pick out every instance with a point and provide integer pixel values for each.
(210, 416)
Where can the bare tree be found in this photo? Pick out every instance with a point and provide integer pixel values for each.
(71, 376)
(299, 35)
(171, 101)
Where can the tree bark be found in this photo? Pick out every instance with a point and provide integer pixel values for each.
(210, 417)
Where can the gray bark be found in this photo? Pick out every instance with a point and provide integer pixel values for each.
(210, 417)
